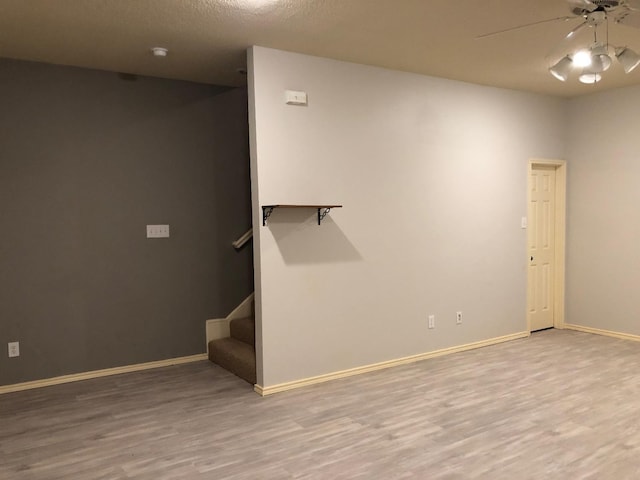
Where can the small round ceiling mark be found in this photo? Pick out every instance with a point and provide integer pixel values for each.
(159, 51)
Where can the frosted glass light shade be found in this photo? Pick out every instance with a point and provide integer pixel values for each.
(600, 63)
(561, 69)
(589, 77)
(600, 59)
(628, 59)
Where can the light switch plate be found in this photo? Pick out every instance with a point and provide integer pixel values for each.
(157, 231)
(13, 349)
(293, 97)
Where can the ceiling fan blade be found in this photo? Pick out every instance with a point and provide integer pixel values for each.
(629, 18)
(486, 35)
(584, 5)
(572, 33)
(628, 14)
(632, 4)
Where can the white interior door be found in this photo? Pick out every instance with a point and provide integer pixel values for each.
(542, 188)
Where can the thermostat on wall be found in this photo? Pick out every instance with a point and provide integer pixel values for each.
(295, 98)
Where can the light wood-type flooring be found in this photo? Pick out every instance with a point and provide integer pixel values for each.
(559, 405)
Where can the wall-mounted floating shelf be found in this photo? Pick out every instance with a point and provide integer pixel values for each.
(267, 210)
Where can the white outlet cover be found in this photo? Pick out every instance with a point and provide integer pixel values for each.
(157, 231)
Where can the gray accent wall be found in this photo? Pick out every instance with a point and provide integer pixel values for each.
(87, 160)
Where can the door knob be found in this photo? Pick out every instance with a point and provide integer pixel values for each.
(532, 259)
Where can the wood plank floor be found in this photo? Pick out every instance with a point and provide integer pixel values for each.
(559, 405)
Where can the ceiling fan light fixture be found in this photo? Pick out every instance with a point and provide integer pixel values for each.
(589, 77)
(628, 59)
(562, 69)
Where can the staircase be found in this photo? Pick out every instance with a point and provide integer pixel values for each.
(237, 353)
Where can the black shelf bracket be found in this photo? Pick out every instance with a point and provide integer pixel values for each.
(322, 212)
(266, 213)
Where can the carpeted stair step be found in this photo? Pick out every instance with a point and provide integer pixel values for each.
(236, 356)
(244, 329)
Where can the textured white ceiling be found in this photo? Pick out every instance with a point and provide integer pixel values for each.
(207, 39)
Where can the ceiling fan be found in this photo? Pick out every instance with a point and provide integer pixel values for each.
(595, 57)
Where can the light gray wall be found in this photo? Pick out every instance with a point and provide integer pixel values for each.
(603, 225)
(432, 174)
(87, 159)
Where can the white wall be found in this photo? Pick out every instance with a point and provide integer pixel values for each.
(432, 175)
(603, 229)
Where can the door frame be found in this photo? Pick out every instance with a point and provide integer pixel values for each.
(560, 238)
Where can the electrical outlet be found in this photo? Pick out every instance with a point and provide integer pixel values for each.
(13, 349)
(458, 318)
(432, 321)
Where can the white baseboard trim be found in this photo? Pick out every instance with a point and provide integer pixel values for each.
(607, 333)
(76, 377)
(282, 387)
